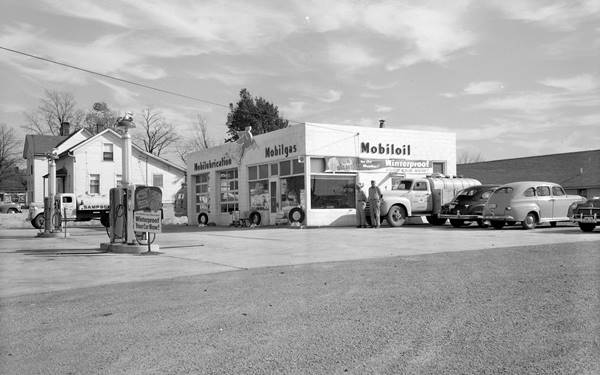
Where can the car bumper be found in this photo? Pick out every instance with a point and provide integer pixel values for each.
(461, 217)
(593, 219)
(499, 218)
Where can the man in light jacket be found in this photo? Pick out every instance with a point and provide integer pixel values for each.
(374, 202)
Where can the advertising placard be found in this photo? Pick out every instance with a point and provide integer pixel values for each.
(147, 221)
(396, 165)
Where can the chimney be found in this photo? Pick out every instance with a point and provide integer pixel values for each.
(381, 124)
(64, 128)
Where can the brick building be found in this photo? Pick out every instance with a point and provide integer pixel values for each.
(578, 172)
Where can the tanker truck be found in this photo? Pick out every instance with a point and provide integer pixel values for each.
(76, 208)
(424, 196)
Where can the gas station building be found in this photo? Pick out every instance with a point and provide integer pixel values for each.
(308, 172)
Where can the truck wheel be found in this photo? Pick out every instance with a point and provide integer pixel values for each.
(255, 218)
(435, 220)
(203, 219)
(396, 216)
(530, 221)
(456, 223)
(38, 221)
(497, 224)
(587, 227)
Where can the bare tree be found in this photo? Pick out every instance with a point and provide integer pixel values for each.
(466, 157)
(156, 133)
(100, 117)
(197, 139)
(9, 149)
(54, 109)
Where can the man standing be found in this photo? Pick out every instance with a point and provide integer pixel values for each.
(361, 205)
(374, 201)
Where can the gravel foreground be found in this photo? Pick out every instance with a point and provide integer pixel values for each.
(530, 310)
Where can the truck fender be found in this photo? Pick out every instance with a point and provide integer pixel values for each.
(391, 201)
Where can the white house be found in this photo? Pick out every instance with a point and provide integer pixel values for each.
(91, 164)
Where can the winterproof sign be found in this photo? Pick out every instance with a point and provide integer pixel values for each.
(147, 221)
(397, 165)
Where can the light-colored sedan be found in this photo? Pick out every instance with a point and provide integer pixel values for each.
(530, 203)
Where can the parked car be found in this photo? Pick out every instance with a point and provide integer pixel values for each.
(467, 206)
(10, 208)
(586, 214)
(529, 202)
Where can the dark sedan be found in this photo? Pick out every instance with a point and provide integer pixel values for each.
(586, 214)
(467, 206)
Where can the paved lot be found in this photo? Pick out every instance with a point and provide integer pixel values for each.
(33, 265)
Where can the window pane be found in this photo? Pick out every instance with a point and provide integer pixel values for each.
(543, 191)
(263, 171)
(557, 191)
(529, 192)
(297, 166)
(259, 195)
(292, 190)
(274, 169)
(285, 168)
(439, 167)
(252, 173)
(157, 180)
(333, 192)
(317, 165)
(94, 184)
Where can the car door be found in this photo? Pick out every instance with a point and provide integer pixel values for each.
(561, 202)
(421, 200)
(544, 201)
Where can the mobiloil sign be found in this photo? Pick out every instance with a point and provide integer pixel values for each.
(388, 149)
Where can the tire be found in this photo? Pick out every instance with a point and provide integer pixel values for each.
(396, 216)
(435, 220)
(296, 215)
(587, 227)
(457, 223)
(203, 219)
(553, 224)
(255, 218)
(482, 224)
(497, 224)
(530, 221)
(510, 223)
(38, 221)
(12, 211)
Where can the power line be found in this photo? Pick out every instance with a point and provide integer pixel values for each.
(124, 80)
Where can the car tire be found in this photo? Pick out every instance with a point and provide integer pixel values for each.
(38, 222)
(497, 224)
(296, 215)
(12, 211)
(482, 223)
(203, 219)
(587, 227)
(457, 223)
(396, 216)
(530, 221)
(255, 218)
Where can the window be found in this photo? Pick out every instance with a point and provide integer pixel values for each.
(263, 171)
(202, 193)
(439, 167)
(332, 192)
(274, 169)
(94, 184)
(529, 192)
(542, 191)
(399, 184)
(157, 180)
(119, 182)
(285, 168)
(107, 152)
(420, 185)
(297, 167)
(557, 191)
(229, 193)
(67, 199)
(292, 192)
(582, 192)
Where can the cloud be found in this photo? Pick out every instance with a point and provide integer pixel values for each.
(121, 95)
(293, 110)
(579, 83)
(449, 95)
(563, 15)
(380, 86)
(351, 56)
(484, 87)
(331, 96)
(534, 102)
(382, 109)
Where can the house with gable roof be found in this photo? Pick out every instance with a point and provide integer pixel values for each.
(90, 164)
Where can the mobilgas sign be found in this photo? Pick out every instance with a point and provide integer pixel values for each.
(202, 165)
(384, 149)
(280, 150)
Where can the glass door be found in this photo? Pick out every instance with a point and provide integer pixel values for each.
(275, 204)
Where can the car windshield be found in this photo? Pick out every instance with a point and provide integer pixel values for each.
(467, 193)
(402, 185)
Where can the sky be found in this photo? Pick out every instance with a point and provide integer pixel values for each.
(510, 78)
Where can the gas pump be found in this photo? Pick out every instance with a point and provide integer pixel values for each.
(135, 211)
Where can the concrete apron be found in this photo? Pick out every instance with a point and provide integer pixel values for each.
(123, 248)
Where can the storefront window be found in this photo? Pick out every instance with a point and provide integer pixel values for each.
(333, 192)
(259, 194)
(285, 168)
(263, 171)
(274, 169)
(229, 192)
(202, 193)
(292, 192)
